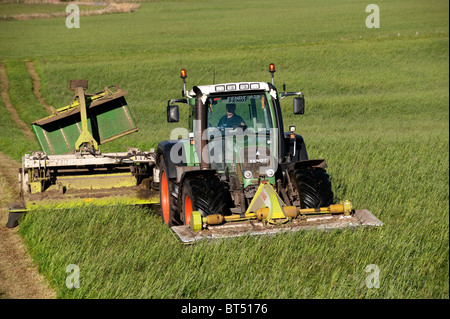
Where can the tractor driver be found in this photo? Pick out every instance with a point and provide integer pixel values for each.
(231, 119)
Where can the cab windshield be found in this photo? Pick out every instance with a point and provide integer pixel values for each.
(239, 131)
(250, 112)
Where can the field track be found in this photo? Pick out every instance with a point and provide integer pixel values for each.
(14, 115)
(37, 86)
(19, 277)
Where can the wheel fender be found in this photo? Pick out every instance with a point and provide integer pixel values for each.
(321, 163)
(301, 153)
(163, 152)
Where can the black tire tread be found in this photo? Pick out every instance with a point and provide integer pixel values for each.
(313, 186)
(208, 195)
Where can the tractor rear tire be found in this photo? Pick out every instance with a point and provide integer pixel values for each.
(313, 186)
(205, 194)
(168, 192)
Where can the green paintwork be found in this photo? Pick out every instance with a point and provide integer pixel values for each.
(108, 117)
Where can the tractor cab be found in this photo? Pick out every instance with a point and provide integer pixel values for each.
(240, 131)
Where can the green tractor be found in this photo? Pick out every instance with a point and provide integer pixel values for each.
(237, 166)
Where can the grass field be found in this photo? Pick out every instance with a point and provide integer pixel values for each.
(377, 108)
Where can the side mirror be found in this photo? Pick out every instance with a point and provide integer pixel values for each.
(299, 105)
(172, 113)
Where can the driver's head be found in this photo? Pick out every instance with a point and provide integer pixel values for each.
(231, 108)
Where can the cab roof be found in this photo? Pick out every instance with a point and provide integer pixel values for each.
(231, 87)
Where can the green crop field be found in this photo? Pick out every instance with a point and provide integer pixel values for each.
(377, 109)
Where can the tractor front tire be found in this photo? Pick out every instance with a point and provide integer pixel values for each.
(205, 194)
(313, 187)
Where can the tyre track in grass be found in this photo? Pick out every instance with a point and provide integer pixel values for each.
(19, 277)
(9, 106)
(37, 86)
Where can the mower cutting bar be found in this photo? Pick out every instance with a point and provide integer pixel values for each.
(267, 214)
(359, 218)
(70, 160)
(262, 214)
(72, 180)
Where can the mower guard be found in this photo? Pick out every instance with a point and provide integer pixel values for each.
(359, 218)
(108, 118)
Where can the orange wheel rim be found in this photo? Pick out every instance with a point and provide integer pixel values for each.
(187, 210)
(165, 205)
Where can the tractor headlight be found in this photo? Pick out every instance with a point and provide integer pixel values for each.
(270, 173)
(248, 174)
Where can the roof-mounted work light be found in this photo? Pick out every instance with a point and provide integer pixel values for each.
(272, 70)
(183, 75)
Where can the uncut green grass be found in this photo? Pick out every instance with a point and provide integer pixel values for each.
(376, 109)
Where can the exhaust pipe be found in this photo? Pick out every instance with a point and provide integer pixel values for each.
(200, 118)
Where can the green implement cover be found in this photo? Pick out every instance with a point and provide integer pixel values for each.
(108, 118)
